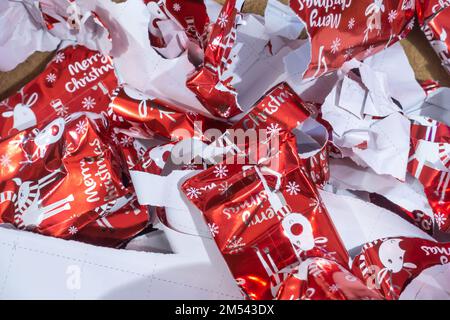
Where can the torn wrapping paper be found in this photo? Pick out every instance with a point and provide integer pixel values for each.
(241, 203)
(22, 33)
(365, 139)
(77, 79)
(340, 31)
(389, 264)
(319, 279)
(436, 30)
(408, 195)
(289, 156)
(45, 163)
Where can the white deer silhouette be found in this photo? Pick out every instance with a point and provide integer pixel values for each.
(28, 208)
(296, 226)
(23, 115)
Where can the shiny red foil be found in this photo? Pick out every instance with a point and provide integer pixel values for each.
(115, 228)
(436, 30)
(191, 15)
(262, 245)
(426, 9)
(54, 178)
(323, 279)
(280, 110)
(342, 30)
(435, 179)
(388, 265)
(77, 79)
(209, 82)
(152, 117)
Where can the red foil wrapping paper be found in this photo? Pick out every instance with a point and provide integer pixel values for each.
(190, 15)
(210, 83)
(77, 79)
(429, 163)
(54, 178)
(436, 30)
(154, 159)
(281, 110)
(322, 279)
(426, 9)
(114, 228)
(147, 118)
(265, 219)
(388, 265)
(342, 30)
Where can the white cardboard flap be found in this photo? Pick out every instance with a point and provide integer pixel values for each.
(33, 266)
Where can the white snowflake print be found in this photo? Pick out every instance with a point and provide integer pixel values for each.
(222, 20)
(221, 171)
(333, 288)
(88, 103)
(235, 245)
(411, 23)
(190, 166)
(440, 219)
(73, 230)
(59, 57)
(114, 138)
(51, 77)
(5, 160)
(62, 111)
(223, 188)
(214, 229)
(348, 53)
(81, 127)
(126, 141)
(177, 7)
(273, 128)
(292, 188)
(351, 23)
(335, 46)
(392, 15)
(193, 193)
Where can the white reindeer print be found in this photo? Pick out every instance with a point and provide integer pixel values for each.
(23, 115)
(296, 226)
(29, 211)
(392, 258)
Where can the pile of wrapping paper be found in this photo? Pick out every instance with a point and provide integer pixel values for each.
(283, 132)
